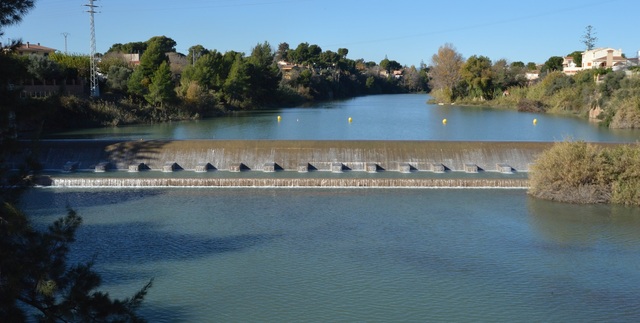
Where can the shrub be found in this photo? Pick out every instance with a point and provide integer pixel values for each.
(578, 172)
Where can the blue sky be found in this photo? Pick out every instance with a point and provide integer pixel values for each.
(408, 31)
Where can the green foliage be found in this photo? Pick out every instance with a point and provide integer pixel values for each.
(152, 58)
(577, 57)
(11, 12)
(36, 275)
(118, 78)
(579, 172)
(589, 37)
(37, 281)
(554, 63)
(165, 44)
(128, 48)
(72, 65)
(138, 84)
(477, 73)
(42, 68)
(236, 86)
(195, 52)
(531, 66)
(161, 89)
(611, 83)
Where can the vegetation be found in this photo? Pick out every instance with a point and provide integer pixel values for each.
(478, 80)
(579, 172)
(37, 281)
(149, 82)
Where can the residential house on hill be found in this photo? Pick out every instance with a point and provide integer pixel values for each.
(603, 57)
(596, 58)
(31, 49)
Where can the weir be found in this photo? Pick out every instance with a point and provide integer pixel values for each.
(275, 156)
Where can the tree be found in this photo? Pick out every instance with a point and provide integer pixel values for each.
(282, 52)
(589, 37)
(577, 57)
(236, 85)
(390, 65)
(165, 44)
(195, 52)
(161, 89)
(35, 275)
(42, 68)
(531, 66)
(343, 52)
(72, 65)
(445, 72)
(128, 48)
(11, 12)
(152, 58)
(477, 73)
(118, 77)
(554, 63)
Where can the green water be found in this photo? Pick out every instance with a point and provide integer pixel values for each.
(365, 255)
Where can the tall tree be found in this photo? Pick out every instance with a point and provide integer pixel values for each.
(264, 75)
(476, 72)
(236, 86)
(11, 12)
(589, 37)
(161, 89)
(152, 58)
(282, 52)
(445, 72)
(165, 43)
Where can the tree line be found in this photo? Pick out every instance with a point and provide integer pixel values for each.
(150, 82)
(611, 96)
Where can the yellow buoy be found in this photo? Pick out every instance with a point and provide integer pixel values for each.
(535, 122)
(279, 118)
(350, 119)
(444, 121)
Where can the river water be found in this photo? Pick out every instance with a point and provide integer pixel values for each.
(374, 255)
(381, 117)
(366, 255)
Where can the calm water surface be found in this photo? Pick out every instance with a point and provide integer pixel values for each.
(381, 117)
(365, 255)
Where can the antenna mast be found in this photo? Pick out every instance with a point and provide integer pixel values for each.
(95, 88)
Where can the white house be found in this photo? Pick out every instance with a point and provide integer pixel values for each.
(596, 58)
(603, 57)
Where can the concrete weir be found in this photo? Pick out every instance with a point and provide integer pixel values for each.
(276, 156)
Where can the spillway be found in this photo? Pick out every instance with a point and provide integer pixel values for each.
(98, 158)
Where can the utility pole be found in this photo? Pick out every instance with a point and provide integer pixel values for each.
(95, 87)
(65, 34)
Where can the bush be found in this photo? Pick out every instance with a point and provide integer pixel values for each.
(578, 172)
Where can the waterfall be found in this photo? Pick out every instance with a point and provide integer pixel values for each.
(290, 182)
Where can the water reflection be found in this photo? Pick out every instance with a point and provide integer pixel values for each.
(584, 225)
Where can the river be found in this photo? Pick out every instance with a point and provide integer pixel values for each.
(380, 117)
(374, 254)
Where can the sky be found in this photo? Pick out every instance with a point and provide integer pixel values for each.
(407, 31)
